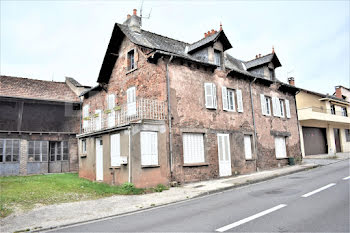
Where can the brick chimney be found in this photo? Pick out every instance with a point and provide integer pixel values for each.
(291, 81)
(338, 93)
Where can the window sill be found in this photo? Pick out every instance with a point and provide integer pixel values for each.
(114, 167)
(83, 156)
(9, 162)
(195, 164)
(282, 158)
(130, 71)
(249, 159)
(150, 166)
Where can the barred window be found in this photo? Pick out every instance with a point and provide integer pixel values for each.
(9, 150)
(37, 151)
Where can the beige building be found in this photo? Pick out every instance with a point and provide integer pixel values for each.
(324, 123)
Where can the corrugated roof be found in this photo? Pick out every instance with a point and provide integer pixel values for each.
(36, 89)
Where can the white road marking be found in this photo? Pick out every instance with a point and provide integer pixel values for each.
(346, 178)
(245, 220)
(318, 190)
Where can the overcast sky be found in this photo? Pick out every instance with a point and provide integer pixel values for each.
(53, 39)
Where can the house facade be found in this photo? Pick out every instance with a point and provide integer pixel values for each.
(39, 121)
(324, 123)
(169, 111)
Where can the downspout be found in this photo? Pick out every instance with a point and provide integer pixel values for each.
(253, 114)
(129, 162)
(169, 118)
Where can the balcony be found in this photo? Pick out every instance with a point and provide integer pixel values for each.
(141, 109)
(325, 115)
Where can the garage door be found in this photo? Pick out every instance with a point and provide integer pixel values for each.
(314, 140)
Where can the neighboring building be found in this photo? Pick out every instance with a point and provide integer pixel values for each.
(342, 93)
(212, 129)
(39, 121)
(324, 123)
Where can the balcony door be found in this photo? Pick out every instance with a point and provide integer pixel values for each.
(224, 155)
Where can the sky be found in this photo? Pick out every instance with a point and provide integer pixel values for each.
(52, 39)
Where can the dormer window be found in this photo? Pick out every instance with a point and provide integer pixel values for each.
(217, 57)
(131, 60)
(272, 74)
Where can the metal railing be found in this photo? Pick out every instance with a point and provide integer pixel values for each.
(141, 109)
(326, 111)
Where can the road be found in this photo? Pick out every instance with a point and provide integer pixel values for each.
(316, 200)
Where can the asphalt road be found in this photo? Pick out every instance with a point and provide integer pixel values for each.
(311, 201)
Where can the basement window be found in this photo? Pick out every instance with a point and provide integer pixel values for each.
(131, 60)
(9, 150)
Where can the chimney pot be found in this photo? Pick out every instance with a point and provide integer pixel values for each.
(208, 33)
(338, 93)
(291, 81)
(259, 54)
(128, 16)
(256, 56)
(212, 31)
(134, 12)
(220, 26)
(205, 34)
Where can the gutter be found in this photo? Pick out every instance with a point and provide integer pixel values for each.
(169, 118)
(254, 124)
(129, 162)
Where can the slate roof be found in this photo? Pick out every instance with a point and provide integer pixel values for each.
(76, 83)
(36, 89)
(263, 60)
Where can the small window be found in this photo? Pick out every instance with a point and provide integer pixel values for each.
(231, 100)
(217, 57)
(332, 109)
(83, 146)
(268, 105)
(149, 148)
(280, 147)
(281, 103)
(248, 146)
(193, 148)
(38, 151)
(131, 60)
(344, 112)
(272, 74)
(9, 150)
(347, 135)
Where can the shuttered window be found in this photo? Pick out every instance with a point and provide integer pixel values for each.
(115, 149)
(111, 112)
(248, 146)
(280, 147)
(210, 95)
(193, 148)
(38, 151)
(281, 104)
(228, 99)
(9, 150)
(131, 100)
(265, 105)
(149, 148)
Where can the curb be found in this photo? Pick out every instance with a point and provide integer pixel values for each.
(162, 205)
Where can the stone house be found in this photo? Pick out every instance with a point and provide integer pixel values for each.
(324, 121)
(170, 111)
(39, 121)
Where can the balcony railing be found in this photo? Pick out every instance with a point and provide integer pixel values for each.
(327, 111)
(141, 109)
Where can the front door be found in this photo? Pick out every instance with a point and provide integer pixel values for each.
(224, 155)
(337, 140)
(99, 159)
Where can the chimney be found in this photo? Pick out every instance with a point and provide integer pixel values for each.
(256, 56)
(205, 34)
(338, 93)
(259, 54)
(220, 26)
(291, 81)
(134, 22)
(134, 12)
(273, 49)
(128, 16)
(212, 31)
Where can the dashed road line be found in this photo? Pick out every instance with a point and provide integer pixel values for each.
(245, 220)
(346, 178)
(318, 190)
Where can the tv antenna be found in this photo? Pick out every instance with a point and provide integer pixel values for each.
(146, 17)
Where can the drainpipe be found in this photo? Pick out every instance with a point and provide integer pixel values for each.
(253, 114)
(169, 119)
(129, 162)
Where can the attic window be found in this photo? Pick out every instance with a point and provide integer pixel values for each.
(131, 60)
(217, 57)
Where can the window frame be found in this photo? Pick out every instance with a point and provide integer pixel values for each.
(34, 154)
(347, 135)
(282, 106)
(131, 65)
(59, 146)
(154, 159)
(190, 158)
(3, 154)
(268, 109)
(83, 146)
(344, 111)
(251, 146)
(217, 57)
(232, 101)
(333, 109)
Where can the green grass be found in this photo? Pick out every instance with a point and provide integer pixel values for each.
(25, 192)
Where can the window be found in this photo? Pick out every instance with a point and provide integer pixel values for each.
(344, 112)
(85, 117)
(248, 146)
(347, 135)
(210, 95)
(217, 57)
(9, 150)
(37, 151)
(332, 109)
(83, 146)
(272, 74)
(115, 150)
(149, 148)
(111, 112)
(265, 105)
(280, 147)
(193, 148)
(131, 100)
(98, 119)
(131, 60)
(59, 151)
(228, 99)
(281, 105)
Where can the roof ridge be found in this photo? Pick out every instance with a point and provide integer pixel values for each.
(260, 57)
(204, 38)
(31, 79)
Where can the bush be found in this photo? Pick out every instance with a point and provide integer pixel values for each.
(160, 188)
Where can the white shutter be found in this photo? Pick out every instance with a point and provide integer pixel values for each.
(131, 100)
(193, 148)
(111, 101)
(115, 150)
(208, 89)
(224, 98)
(282, 113)
(287, 108)
(263, 104)
(98, 120)
(149, 148)
(247, 146)
(239, 101)
(276, 106)
(214, 96)
(111, 105)
(280, 147)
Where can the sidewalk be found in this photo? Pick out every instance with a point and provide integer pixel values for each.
(325, 159)
(68, 213)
